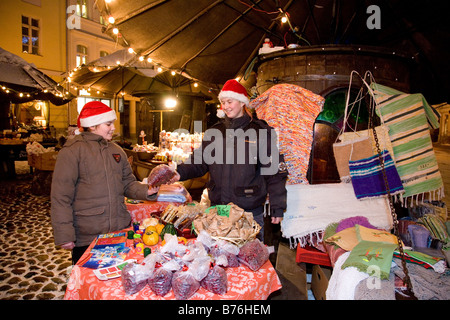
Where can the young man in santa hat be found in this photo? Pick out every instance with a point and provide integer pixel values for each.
(243, 180)
(91, 178)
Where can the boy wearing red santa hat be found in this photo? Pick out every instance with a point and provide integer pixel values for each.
(90, 180)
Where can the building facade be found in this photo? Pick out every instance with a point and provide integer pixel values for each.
(57, 36)
(35, 31)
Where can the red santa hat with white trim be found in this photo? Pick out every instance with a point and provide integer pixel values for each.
(94, 113)
(233, 89)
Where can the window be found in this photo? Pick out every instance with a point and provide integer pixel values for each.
(103, 53)
(82, 8)
(103, 21)
(30, 35)
(82, 53)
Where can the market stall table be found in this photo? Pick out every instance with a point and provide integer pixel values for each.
(243, 284)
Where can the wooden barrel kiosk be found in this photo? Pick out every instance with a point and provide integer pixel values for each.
(325, 70)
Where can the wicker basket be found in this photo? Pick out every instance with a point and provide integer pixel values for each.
(241, 241)
(238, 241)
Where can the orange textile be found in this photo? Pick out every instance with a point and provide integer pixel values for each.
(291, 110)
(243, 284)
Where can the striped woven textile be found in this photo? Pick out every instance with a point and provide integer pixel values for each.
(409, 118)
(368, 180)
(291, 110)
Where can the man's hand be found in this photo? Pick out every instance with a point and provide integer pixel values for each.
(68, 245)
(276, 220)
(152, 190)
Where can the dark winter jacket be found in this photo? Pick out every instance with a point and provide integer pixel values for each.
(90, 180)
(236, 168)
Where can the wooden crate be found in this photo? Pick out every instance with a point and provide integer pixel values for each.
(45, 161)
(31, 160)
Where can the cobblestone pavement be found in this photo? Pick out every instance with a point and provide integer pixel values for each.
(31, 267)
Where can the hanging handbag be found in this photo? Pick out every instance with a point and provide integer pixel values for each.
(356, 145)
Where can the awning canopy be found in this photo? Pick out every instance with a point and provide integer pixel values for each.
(21, 81)
(123, 73)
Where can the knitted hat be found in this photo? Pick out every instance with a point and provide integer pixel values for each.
(235, 90)
(94, 113)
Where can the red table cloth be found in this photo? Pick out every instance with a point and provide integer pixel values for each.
(243, 284)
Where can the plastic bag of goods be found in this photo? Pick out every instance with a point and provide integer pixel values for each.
(253, 254)
(160, 175)
(216, 281)
(160, 281)
(228, 251)
(184, 285)
(134, 277)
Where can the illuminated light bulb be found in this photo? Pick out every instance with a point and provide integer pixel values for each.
(4, 88)
(117, 62)
(195, 84)
(170, 103)
(159, 69)
(21, 94)
(111, 20)
(149, 59)
(98, 92)
(7, 91)
(130, 50)
(284, 19)
(172, 73)
(115, 31)
(141, 58)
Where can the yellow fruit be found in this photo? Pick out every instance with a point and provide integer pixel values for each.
(150, 237)
(151, 228)
(159, 228)
(182, 240)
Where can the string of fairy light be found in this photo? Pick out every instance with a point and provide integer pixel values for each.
(88, 89)
(29, 94)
